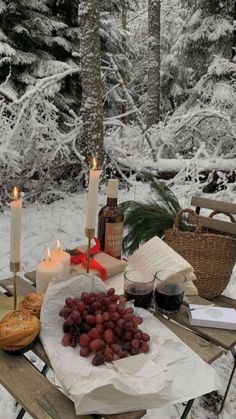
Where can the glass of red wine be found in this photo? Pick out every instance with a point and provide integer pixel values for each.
(138, 287)
(169, 291)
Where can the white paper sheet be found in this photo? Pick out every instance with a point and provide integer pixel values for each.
(170, 372)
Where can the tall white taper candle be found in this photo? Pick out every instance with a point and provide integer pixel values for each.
(16, 228)
(92, 197)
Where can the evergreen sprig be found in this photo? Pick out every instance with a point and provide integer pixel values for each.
(144, 220)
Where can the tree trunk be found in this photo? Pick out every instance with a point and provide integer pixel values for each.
(153, 89)
(92, 109)
(125, 118)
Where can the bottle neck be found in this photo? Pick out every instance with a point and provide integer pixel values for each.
(111, 202)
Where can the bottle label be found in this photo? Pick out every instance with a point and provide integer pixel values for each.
(113, 238)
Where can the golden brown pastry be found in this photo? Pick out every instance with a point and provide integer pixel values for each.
(18, 329)
(33, 303)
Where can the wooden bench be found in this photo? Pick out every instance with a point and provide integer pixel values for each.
(218, 207)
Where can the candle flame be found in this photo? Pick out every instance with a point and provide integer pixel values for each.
(94, 164)
(49, 254)
(15, 193)
(58, 244)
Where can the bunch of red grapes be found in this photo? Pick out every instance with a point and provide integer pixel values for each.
(102, 325)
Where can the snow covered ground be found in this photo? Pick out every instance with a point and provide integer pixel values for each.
(65, 219)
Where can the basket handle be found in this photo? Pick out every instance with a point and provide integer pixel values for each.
(232, 219)
(194, 216)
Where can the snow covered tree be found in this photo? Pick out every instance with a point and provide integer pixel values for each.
(175, 78)
(210, 33)
(115, 43)
(153, 89)
(41, 38)
(92, 109)
(67, 12)
(31, 43)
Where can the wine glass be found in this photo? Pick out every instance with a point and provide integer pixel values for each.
(138, 287)
(169, 291)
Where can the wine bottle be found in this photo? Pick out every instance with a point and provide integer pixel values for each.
(110, 222)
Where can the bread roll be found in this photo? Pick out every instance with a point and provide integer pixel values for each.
(33, 303)
(18, 329)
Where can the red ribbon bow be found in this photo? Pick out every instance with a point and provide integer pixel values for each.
(81, 258)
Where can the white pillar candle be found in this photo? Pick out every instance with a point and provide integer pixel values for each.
(47, 270)
(59, 255)
(92, 197)
(16, 228)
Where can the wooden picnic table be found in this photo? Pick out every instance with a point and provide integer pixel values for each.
(37, 395)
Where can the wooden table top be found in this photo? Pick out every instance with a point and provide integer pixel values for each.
(37, 395)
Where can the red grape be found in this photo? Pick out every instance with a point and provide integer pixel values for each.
(80, 306)
(76, 300)
(115, 316)
(120, 309)
(85, 351)
(106, 316)
(98, 359)
(97, 345)
(94, 333)
(109, 336)
(120, 323)
(122, 300)
(90, 319)
(66, 340)
(127, 317)
(138, 335)
(99, 318)
(145, 337)
(65, 311)
(145, 347)
(69, 302)
(135, 343)
(84, 294)
(137, 320)
(84, 340)
(111, 291)
(115, 347)
(75, 315)
(107, 351)
(129, 310)
(129, 326)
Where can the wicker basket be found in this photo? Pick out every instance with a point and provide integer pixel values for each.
(212, 256)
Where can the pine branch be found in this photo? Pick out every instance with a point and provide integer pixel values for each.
(146, 220)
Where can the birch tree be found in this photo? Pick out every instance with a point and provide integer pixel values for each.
(153, 89)
(92, 111)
